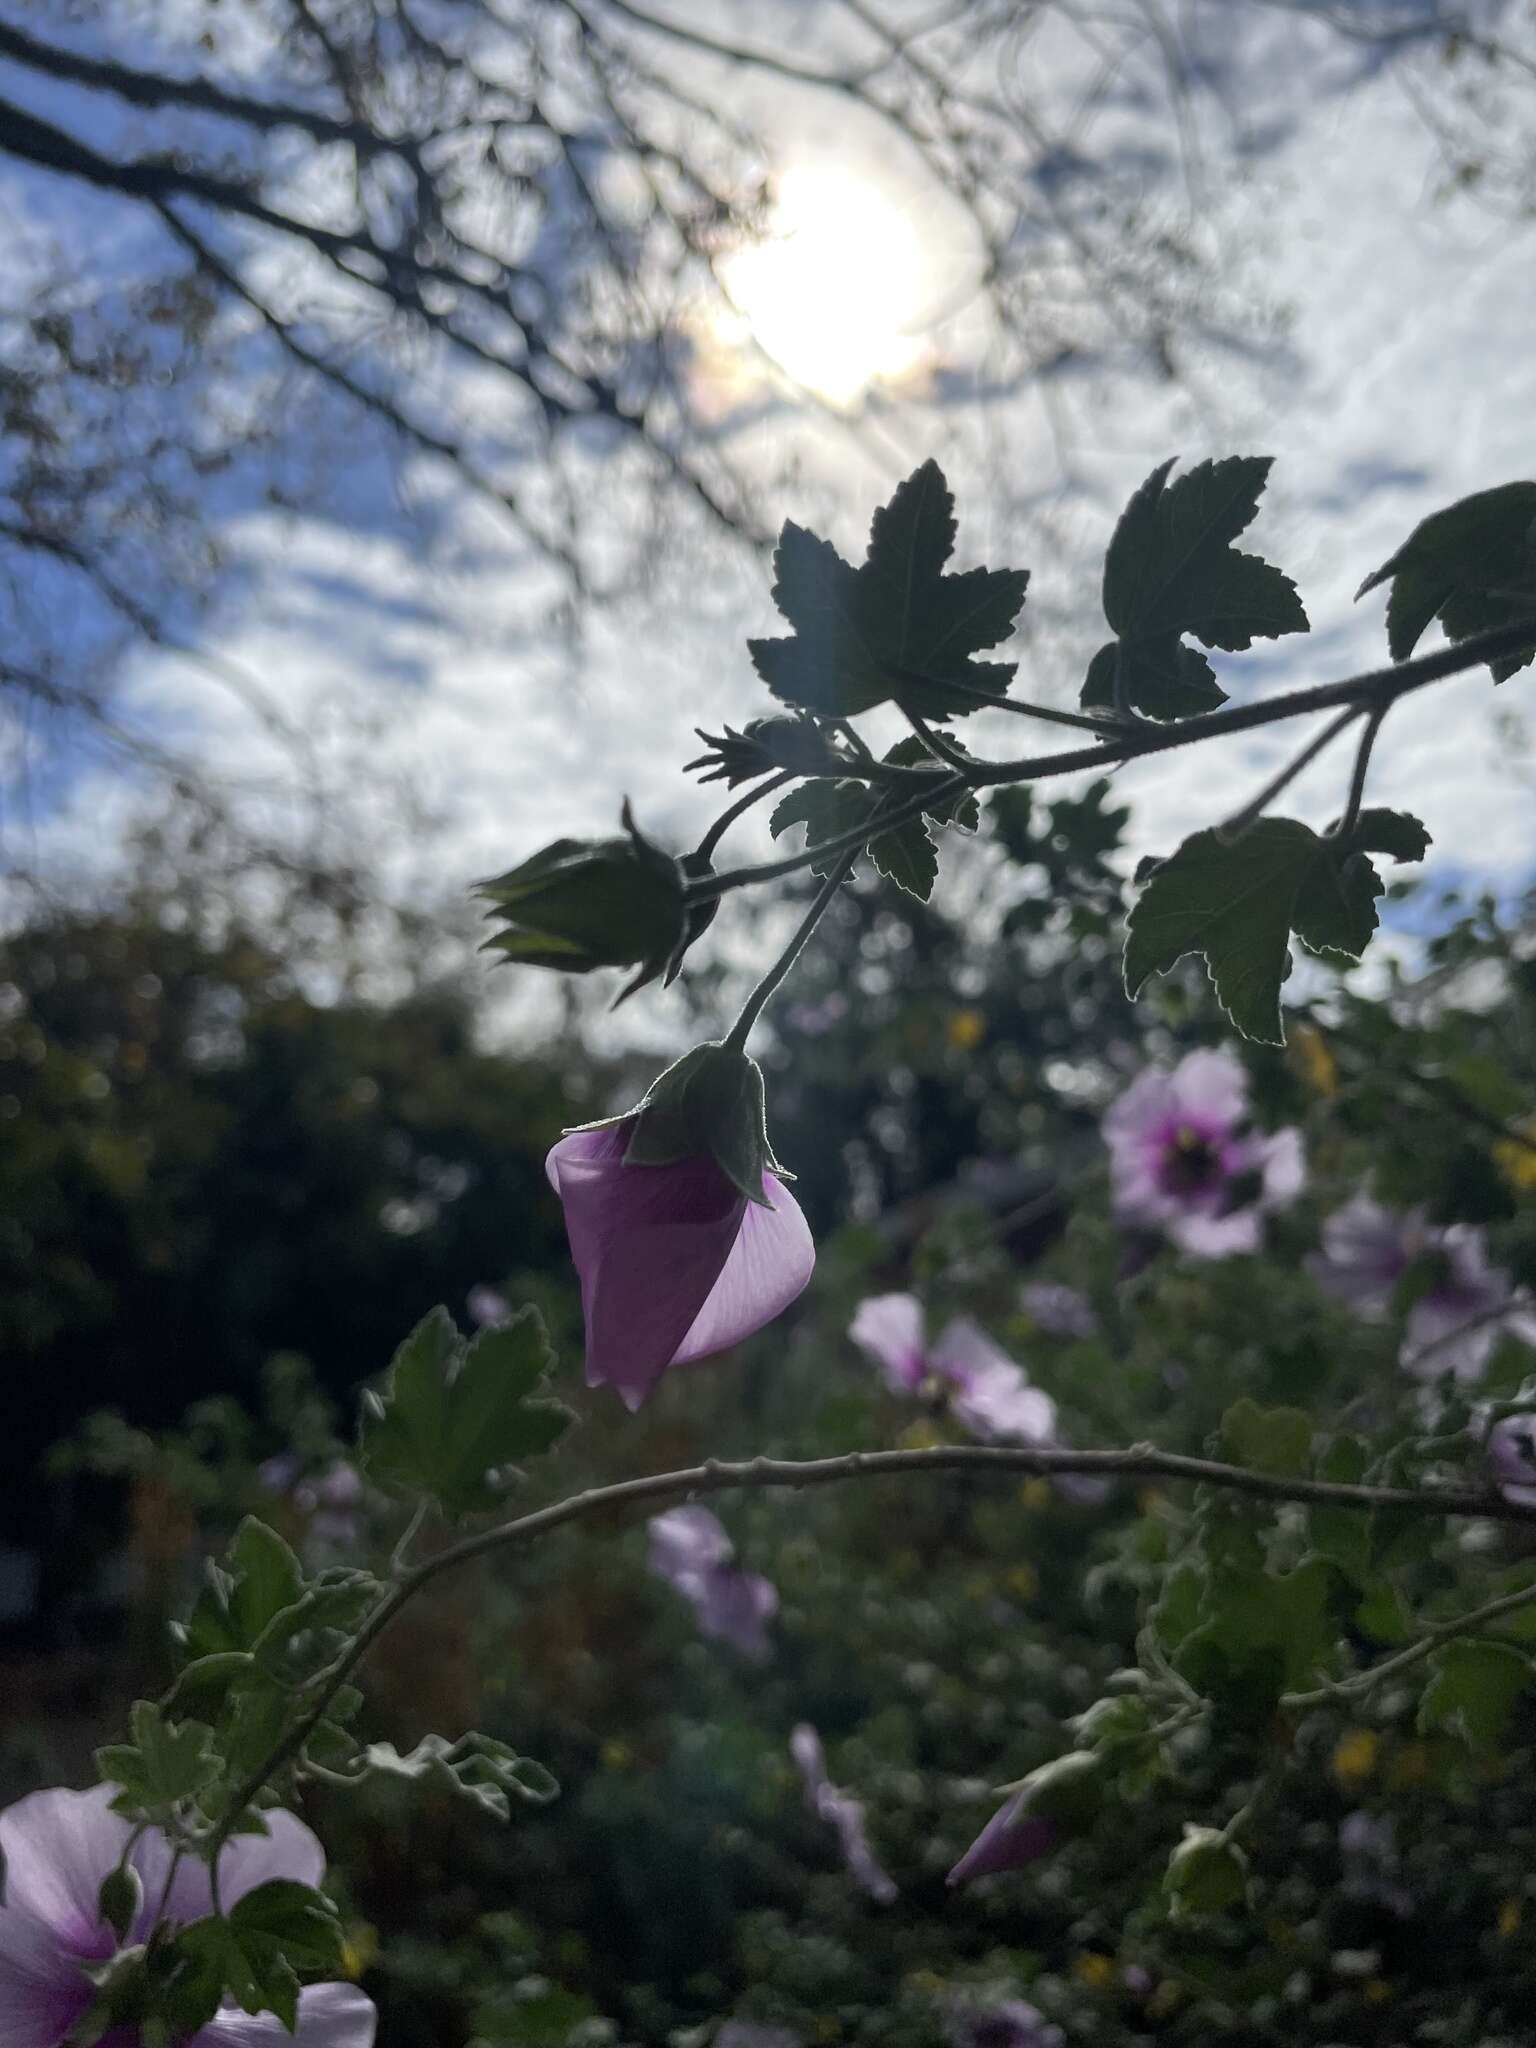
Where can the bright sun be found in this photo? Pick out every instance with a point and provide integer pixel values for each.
(832, 291)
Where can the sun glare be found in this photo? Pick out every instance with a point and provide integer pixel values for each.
(833, 290)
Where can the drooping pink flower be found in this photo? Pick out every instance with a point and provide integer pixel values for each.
(988, 1393)
(675, 1263)
(1185, 1160)
(1011, 1839)
(691, 1551)
(842, 1812)
(60, 1845)
(1466, 1304)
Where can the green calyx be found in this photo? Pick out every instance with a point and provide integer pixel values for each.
(585, 903)
(1069, 1790)
(1206, 1873)
(711, 1100)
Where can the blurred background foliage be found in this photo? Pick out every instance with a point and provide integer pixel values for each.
(242, 1158)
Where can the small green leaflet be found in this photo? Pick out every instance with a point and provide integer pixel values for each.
(475, 1767)
(163, 1766)
(897, 626)
(1171, 570)
(1238, 901)
(907, 855)
(453, 1415)
(1472, 567)
(1473, 1690)
(272, 1939)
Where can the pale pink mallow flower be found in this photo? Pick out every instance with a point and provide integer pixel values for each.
(1465, 1306)
(843, 1814)
(691, 1551)
(1185, 1160)
(59, 1846)
(675, 1263)
(988, 1394)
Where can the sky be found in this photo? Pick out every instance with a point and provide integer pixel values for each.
(1395, 375)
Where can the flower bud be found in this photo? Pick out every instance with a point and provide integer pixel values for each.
(585, 903)
(1206, 1873)
(1069, 1791)
(120, 1898)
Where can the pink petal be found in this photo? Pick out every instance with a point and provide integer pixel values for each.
(768, 1266)
(888, 1328)
(687, 1540)
(330, 2016)
(42, 1992)
(288, 1850)
(1218, 1237)
(965, 1352)
(805, 1747)
(1284, 1167)
(1010, 1839)
(650, 1243)
(1002, 1403)
(58, 1846)
(1211, 1085)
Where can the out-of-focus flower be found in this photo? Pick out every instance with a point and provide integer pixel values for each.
(842, 1813)
(487, 1307)
(1515, 1157)
(330, 1501)
(1058, 1310)
(1368, 1253)
(747, 2034)
(1184, 1158)
(59, 1846)
(988, 1393)
(675, 1263)
(1512, 1458)
(1052, 1804)
(1368, 1851)
(691, 1551)
(1000, 2023)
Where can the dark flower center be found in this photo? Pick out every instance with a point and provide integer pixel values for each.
(1191, 1163)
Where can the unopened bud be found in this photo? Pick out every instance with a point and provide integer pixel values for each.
(121, 1898)
(1206, 1873)
(586, 903)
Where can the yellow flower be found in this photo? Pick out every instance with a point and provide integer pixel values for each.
(921, 1436)
(1319, 1069)
(1376, 1991)
(617, 1756)
(1096, 1971)
(1510, 1916)
(358, 1949)
(1035, 1493)
(965, 1029)
(1023, 1580)
(1354, 1755)
(1517, 1160)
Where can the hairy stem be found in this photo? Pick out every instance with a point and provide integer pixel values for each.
(1138, 1461)
(727, 818)
(1377, 689)
(1469, 1624)
(755, 1004)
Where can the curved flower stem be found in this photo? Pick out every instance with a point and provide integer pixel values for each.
(753, 1007)
(1375, 689)
(938, 744)
(1254, 809)
(1469, 1624)
(1374, 720)
(727, 818)
(1137, 1461)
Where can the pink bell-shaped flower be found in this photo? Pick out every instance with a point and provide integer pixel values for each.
(684, 1241)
